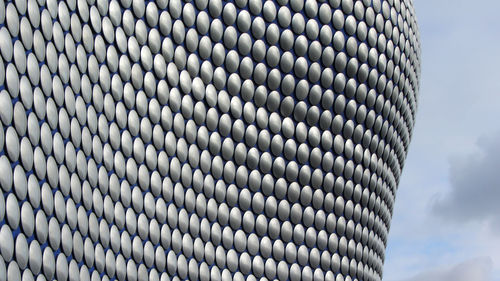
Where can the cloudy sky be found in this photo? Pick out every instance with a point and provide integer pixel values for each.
(446, 223)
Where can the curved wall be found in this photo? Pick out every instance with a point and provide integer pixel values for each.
(205, 140)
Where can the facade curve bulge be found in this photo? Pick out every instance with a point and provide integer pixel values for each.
(202, 140)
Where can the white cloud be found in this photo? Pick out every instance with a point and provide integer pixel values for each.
(478, 269)
(475, 186)
(459, 101)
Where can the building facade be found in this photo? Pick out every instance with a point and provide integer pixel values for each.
(202, 140)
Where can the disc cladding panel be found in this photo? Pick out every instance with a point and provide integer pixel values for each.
(201, 139)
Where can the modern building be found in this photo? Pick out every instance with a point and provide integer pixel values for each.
(202, 140)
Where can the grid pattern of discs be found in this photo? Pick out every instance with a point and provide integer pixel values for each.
(202, 139)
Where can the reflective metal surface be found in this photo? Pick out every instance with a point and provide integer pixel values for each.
(170, 140)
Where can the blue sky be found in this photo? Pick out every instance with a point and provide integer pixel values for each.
(446, 222)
